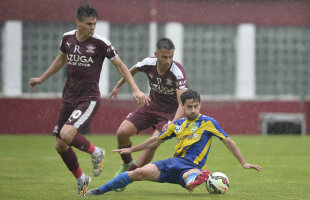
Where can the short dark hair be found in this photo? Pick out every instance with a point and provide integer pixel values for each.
(85, 11)
(190, 94)
(165, 43)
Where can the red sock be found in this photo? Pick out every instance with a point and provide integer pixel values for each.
(132, 167)
(71, 161)
(91, 148)
(77, 173)
(127, 158)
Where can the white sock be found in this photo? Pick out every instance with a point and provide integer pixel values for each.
(96, 152)
(81, 178)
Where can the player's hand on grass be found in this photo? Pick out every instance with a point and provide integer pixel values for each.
(123, 150)
(251, 166)
(141, 98)
(33, 82)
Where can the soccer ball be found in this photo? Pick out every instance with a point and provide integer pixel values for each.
(217, 183)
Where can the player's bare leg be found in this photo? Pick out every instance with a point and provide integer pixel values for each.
(124, 132)
(146, 156)
(67, 133)
(148, 172)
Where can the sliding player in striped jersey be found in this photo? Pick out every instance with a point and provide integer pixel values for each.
(194, 135)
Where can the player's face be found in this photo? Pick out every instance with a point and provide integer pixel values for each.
(164, 57)
(191, 108)
(87, 26)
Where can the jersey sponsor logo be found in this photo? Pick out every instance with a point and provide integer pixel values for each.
(189, 136)
(186, 137)
(77, 60)
(161, 89)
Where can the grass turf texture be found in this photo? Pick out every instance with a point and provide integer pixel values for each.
(31, 169)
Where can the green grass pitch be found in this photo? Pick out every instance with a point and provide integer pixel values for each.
(31, 169)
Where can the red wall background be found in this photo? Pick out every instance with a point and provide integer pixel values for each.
(260, 12)
(38, 116)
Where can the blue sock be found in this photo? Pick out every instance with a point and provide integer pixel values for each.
(119, 181)
(191, 177)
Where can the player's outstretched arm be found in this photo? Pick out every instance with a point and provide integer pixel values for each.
(57, 64)
(148, 143)
(139, 96)
(231, 145)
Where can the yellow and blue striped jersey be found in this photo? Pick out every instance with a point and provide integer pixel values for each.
(194, 137)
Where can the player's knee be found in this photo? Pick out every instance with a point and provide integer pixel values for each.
(65, 136)
(138, 174)
(60, 147)
(126, 130)
(122, 134)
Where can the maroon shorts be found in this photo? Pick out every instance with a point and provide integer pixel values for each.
(77, 115)
(144, 117)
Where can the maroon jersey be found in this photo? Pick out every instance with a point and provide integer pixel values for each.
(163, 87)
(84, 64)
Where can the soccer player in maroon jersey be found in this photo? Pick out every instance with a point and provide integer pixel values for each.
(83, 51)
(167, 81)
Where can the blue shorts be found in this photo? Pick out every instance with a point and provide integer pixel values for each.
(172, 170)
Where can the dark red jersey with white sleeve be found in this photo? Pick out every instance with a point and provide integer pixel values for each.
(163, 87)
(84, 64)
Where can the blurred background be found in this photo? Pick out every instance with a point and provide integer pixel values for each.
(249, 59)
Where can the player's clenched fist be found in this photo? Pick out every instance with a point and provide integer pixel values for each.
(33, 82)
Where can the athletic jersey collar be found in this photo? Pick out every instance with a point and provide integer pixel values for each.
(83, 40)
(189, 121)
